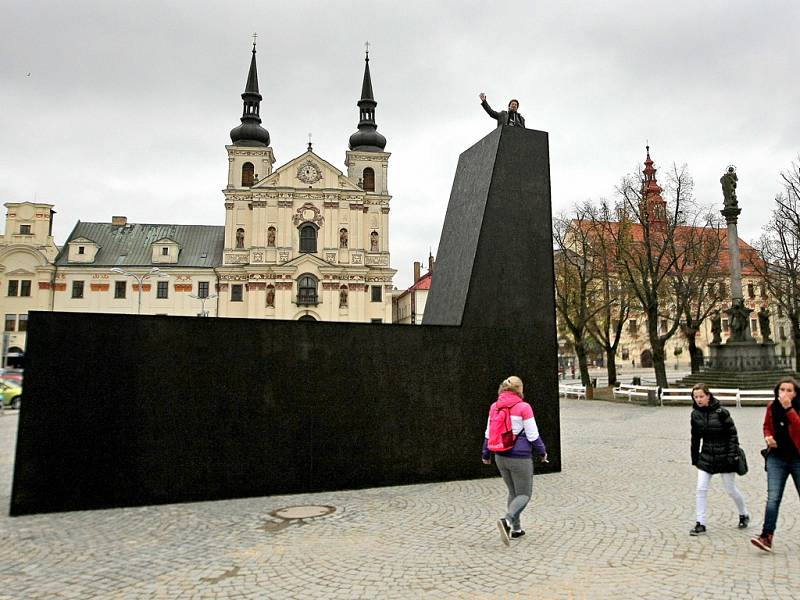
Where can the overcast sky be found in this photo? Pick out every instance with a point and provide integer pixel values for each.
(124, 108)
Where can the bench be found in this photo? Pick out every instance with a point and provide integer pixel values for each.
(676, 396)
(567, 389)
(631, 391)
(755, 397)
(727, 396)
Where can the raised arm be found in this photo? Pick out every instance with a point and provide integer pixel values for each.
(488, 108)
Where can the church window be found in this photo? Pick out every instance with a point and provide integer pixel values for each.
(248, 171)
(377, 293)
(308, 238)
(236, 292)
(369, 180)
(307, 289)
(240, 238)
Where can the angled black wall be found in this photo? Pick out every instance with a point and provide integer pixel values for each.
(125, 410)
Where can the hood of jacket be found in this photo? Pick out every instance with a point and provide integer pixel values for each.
(508, 399)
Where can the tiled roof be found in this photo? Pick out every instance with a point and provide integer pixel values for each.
(130, 245)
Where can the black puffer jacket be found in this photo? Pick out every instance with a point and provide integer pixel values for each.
(714, 425)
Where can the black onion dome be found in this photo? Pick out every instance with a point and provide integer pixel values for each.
(250, 132)
(367, 138)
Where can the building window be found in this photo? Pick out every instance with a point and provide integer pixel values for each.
(247, 174)
(25, 288)
(751, 290)
(663, 326)
(13, 287)
(369, 180)
(240, 238)
(308, 238)
(162, 289)
(81, 249)
(633, 326)
(22, 321)
(11, 322)
(202, 289)
(722, 291)
(236, 292)
(77, 289)
(763, 291)
(164, 251)
(307, 290)
(25, 229)
(377, 293)
(120, 288)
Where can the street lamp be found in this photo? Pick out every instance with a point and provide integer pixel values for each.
(203, 311)
(154, 272)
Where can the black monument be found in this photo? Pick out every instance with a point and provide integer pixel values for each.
(127, 410)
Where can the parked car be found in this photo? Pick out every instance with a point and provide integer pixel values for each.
(10, 394)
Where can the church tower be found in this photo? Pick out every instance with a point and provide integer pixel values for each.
(654, 208)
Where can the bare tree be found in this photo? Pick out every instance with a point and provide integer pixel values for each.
(779, 249)
(615, 300)
(575, 282)
(657, 239)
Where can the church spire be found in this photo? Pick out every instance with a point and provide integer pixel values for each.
(250, 132)
(654, 206)
(367, 138)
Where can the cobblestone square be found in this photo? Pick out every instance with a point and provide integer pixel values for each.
(613, 524)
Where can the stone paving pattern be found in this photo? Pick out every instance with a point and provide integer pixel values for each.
(613, 524)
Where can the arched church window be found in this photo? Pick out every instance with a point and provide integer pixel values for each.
(240, 238)
(369, 180)
(307, 289)
(308, 238)
(247, 174)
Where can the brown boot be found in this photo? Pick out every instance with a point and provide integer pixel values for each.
(764, 541)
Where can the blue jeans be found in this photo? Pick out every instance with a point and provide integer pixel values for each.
(778, 471)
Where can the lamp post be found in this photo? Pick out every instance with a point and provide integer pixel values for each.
(154, 272)
(203, 312)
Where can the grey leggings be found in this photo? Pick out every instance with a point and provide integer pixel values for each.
(517, 473)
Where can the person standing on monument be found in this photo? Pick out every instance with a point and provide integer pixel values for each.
(511, 419)
(510, 117)
(782, 435)
(713, 426)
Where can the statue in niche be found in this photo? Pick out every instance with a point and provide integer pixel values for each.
(373, 241)
(729, 181)
(716, 328)
(343, 238)
(271, 237)
(343, 297)
(270, 295)
(240, 238)
(763, 325)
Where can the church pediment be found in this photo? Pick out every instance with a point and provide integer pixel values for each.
(303, 261)
(307, 171)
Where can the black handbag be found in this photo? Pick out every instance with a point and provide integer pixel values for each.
(765, 453)
(741, 462)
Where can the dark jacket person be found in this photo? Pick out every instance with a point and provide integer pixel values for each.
(508, 117)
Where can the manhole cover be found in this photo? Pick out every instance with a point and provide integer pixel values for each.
(303, 512)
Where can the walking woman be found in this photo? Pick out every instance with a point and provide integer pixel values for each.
(512, 436)
(782, 435)
(713, 426)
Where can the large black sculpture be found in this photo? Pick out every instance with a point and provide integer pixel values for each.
(129, 410)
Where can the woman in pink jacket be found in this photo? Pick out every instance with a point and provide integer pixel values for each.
(515, 462)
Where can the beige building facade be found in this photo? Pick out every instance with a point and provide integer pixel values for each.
(304, 241)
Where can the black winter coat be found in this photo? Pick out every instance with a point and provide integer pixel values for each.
(714, 425)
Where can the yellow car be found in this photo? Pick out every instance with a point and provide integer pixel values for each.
(10, 394)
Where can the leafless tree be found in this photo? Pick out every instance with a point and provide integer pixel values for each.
(779, 249)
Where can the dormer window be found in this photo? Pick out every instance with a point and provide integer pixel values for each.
(81, 249)
(164, 251)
